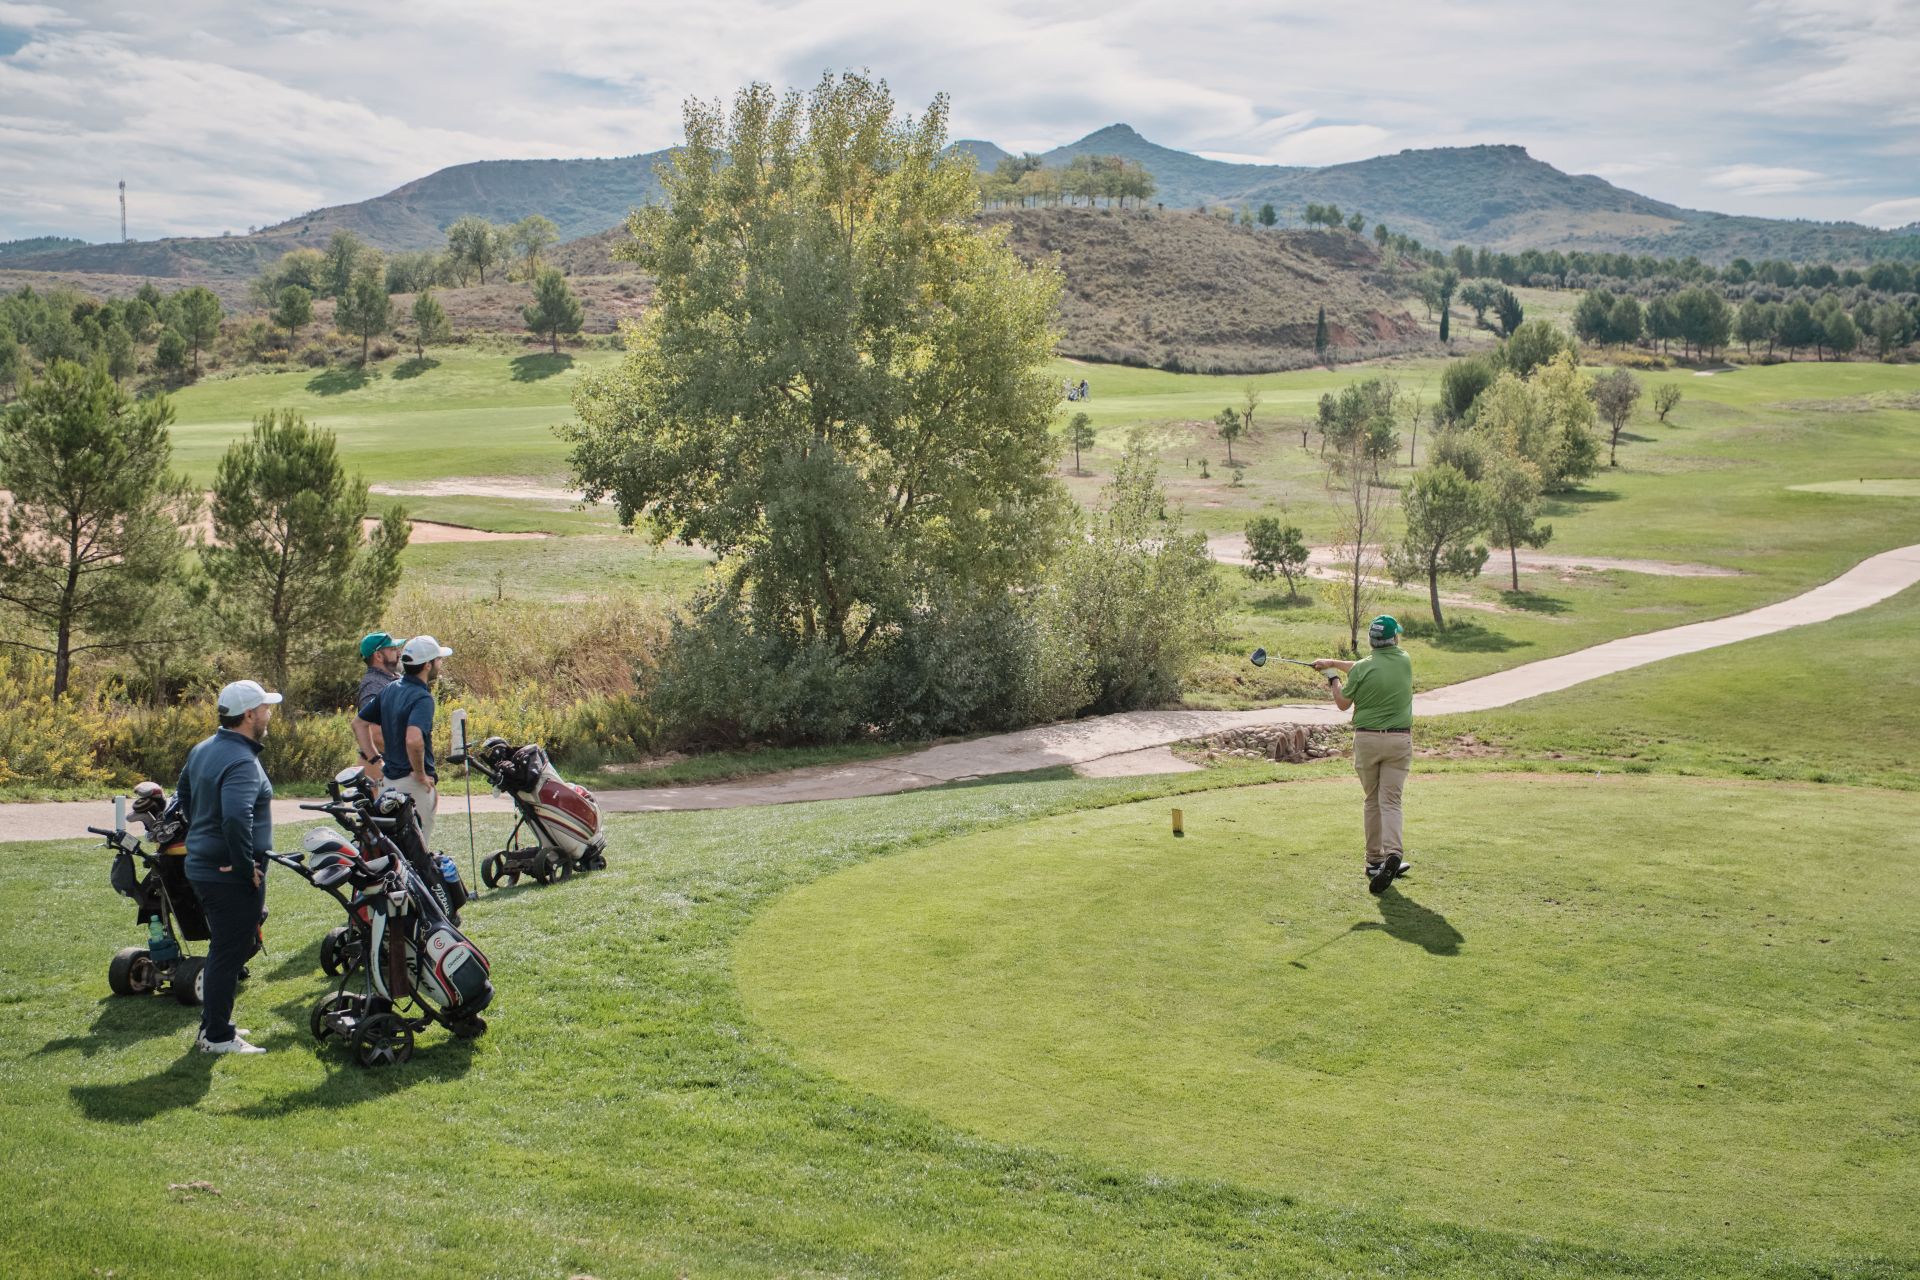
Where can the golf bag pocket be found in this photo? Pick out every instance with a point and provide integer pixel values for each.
(456, 973)
(125, 877)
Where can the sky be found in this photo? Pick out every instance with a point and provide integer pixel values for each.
(222, 116)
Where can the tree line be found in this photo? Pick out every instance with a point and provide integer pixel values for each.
(100, 551)
(1027, 180)
(170, 331)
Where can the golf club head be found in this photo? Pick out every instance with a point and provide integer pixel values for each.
(1258, 657)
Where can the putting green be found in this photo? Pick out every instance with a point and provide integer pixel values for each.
(1640, 1012)
(1864, 488)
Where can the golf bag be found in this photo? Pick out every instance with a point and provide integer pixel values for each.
(416, 967)
(351, 787)
(568, 832)
(163, 899)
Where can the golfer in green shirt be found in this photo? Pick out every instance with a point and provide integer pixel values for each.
(1379, 688)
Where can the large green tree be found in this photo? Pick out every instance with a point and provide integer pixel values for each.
(94, 517)
(554, 310)
(365, 309)
(474, 242)
(429, 322)
(293, 573)
(1444, 511)
(1512, 487)
(293, 310)
(841, 386)
(200, 313)
(531, 237)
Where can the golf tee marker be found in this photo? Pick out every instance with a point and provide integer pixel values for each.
(1179, 825)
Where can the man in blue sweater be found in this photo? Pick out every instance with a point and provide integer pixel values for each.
(229, 805)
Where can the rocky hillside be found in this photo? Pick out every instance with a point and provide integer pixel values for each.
(1189, 291)
(1493, 196)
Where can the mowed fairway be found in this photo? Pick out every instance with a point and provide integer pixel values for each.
(1640, 1014)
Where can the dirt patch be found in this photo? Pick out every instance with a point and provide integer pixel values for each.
(478, 487)
(1231, 548)
(433, 531)
(1282, 743)
(1463, 746)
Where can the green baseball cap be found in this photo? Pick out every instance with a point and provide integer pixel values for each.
(1383, 629)
(374, 642)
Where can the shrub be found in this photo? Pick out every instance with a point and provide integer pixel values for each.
(1138, 591)
(42, 740)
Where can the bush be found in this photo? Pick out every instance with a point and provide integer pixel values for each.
(42, 740)
(1138, 591)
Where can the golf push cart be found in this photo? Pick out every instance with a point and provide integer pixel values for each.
(163, 898)
(562, 821)
(382, 824)
(416, 968)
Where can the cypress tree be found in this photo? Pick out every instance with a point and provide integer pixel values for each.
(1320, 334)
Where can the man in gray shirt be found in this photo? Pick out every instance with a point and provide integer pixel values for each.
(381, 653)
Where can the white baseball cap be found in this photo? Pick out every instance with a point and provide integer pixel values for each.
(244, 695)
(421, 650)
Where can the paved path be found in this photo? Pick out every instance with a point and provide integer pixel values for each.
(1081, 742)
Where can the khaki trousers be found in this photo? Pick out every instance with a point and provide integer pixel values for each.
(425, 800)
(1383, 761)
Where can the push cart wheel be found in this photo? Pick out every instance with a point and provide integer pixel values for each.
(130, 973)
(330, 944)
(490, 869)
(385, 1039)
(333, 1006)
(190, 980)
(468, 1028)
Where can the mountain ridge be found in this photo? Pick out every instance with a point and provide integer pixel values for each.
(1496, 196)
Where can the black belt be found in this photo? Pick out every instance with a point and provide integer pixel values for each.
(1407, 730)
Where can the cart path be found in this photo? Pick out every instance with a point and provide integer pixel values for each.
(1080, 742)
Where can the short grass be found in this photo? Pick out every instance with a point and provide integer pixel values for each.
(467, 412)
(1831, 703)
(1658, 1018)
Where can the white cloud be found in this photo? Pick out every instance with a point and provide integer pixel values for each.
(291, 108)
(1891, 213)
(1763, 180)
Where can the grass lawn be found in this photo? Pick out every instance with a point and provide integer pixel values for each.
(1831, 703)
(1647, 1016)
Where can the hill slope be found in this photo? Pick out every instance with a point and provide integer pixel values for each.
(1188, 291)
(1493, 196)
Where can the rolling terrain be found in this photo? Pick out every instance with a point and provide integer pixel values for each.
(1494, 196)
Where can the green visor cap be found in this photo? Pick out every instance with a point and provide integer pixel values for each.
(375, 642)
(1383, 628)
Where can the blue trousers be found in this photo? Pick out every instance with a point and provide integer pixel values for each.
(233, 925)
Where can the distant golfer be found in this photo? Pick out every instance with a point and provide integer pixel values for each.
(1379, 688)
(229, 807)
(381, 653)
(404, 712)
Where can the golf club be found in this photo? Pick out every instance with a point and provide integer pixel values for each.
(1260, 658)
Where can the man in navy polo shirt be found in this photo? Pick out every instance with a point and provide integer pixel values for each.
(404, 712)
(229, 807)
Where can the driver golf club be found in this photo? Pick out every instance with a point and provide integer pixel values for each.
(1260, 658)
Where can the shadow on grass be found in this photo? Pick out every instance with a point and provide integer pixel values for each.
(1572, 504)
(533, 368)
(123, 1020)
(1407, 920)
(333, 382)
(1281, 600)
(1464, 636)
(1534, 602)
(415, 367)
(181, 1083)
(437, 1056)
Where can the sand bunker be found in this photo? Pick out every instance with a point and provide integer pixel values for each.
(1231, 548)
(478, 487)
(1864, 488)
